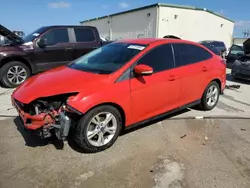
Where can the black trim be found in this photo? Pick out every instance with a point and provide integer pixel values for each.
(164, 114)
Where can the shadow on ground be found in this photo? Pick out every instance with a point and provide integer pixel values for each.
(75, 147)
(237, 81)
(33, 140)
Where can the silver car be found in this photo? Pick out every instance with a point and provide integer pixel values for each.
(241, 67)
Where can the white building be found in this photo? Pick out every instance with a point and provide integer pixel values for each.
(160, 19)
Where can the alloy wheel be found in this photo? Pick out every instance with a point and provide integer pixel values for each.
(212, 95)
(101, 129)
(16, 74)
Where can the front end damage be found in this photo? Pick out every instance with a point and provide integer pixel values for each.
(48, 116)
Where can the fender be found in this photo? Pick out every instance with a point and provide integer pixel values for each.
(120, 97)
(18, 56)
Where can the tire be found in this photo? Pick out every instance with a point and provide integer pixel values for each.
(88, 145)
(204, 102)
(24, 72)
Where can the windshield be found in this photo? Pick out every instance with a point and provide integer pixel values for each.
(107, 59)
(218, 44)
(30, 37)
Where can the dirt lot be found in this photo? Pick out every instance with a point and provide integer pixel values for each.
(174, 153)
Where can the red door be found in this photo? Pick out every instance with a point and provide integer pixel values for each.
(159, 92)
(191, 60)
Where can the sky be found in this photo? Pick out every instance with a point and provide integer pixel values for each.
(28, 15)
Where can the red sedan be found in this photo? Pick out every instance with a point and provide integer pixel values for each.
(119, 85)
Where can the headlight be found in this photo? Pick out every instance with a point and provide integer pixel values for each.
(71, 109)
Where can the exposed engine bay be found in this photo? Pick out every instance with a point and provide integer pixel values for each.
(48, 116)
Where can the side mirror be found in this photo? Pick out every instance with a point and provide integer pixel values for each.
(143, 70)
(41, 43)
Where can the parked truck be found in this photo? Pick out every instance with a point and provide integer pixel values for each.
(43, 49)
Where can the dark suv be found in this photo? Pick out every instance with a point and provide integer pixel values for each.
(43, 49)
(219, 45)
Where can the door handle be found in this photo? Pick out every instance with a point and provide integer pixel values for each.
(68, 48)
(204, 69)
(172, 78)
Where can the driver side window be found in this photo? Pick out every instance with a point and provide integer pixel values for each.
(56, 36)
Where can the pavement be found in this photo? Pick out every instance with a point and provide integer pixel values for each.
(192, 153)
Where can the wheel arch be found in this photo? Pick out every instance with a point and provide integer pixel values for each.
(117, 106)
(218, 81)
(17, 58)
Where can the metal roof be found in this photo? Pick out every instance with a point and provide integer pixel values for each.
(161, 5)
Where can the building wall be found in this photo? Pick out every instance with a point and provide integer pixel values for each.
(239, 40)
(195, 25)
(135, 24)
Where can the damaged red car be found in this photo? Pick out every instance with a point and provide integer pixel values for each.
(117, 86)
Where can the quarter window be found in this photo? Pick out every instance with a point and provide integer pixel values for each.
(84, 35)
(160, 58)
(56, 36)
(186, 54)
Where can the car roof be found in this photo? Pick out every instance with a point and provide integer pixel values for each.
(147, 41)
(59, 26)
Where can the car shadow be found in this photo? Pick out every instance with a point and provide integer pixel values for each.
(237, 81)
(75, 147)
(32, 140)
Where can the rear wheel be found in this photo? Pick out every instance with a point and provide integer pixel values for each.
(98, 129)
(210, 96)
(14, 73)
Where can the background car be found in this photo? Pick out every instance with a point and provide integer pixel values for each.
(118, 86)
(211, 47)
(241, 66)
(43, 49)
(220, 45)
(235, 52)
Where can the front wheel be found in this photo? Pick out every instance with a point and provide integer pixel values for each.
(14, 73)
(210, 96)
(98, 129)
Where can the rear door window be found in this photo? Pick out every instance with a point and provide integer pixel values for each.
(160, 58)
(84, 35)
(186, 54)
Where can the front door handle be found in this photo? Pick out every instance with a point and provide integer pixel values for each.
(204, 69)
(172, 78)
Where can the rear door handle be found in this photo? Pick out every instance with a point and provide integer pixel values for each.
(172, 78)
(204, 69)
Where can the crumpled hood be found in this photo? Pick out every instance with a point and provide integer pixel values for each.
(57, 81)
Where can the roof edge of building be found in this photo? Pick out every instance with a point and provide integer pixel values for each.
(162, 5)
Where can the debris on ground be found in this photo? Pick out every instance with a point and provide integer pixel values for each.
(243, 129)
(206, 138)
(233, 86)
(183, 136)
